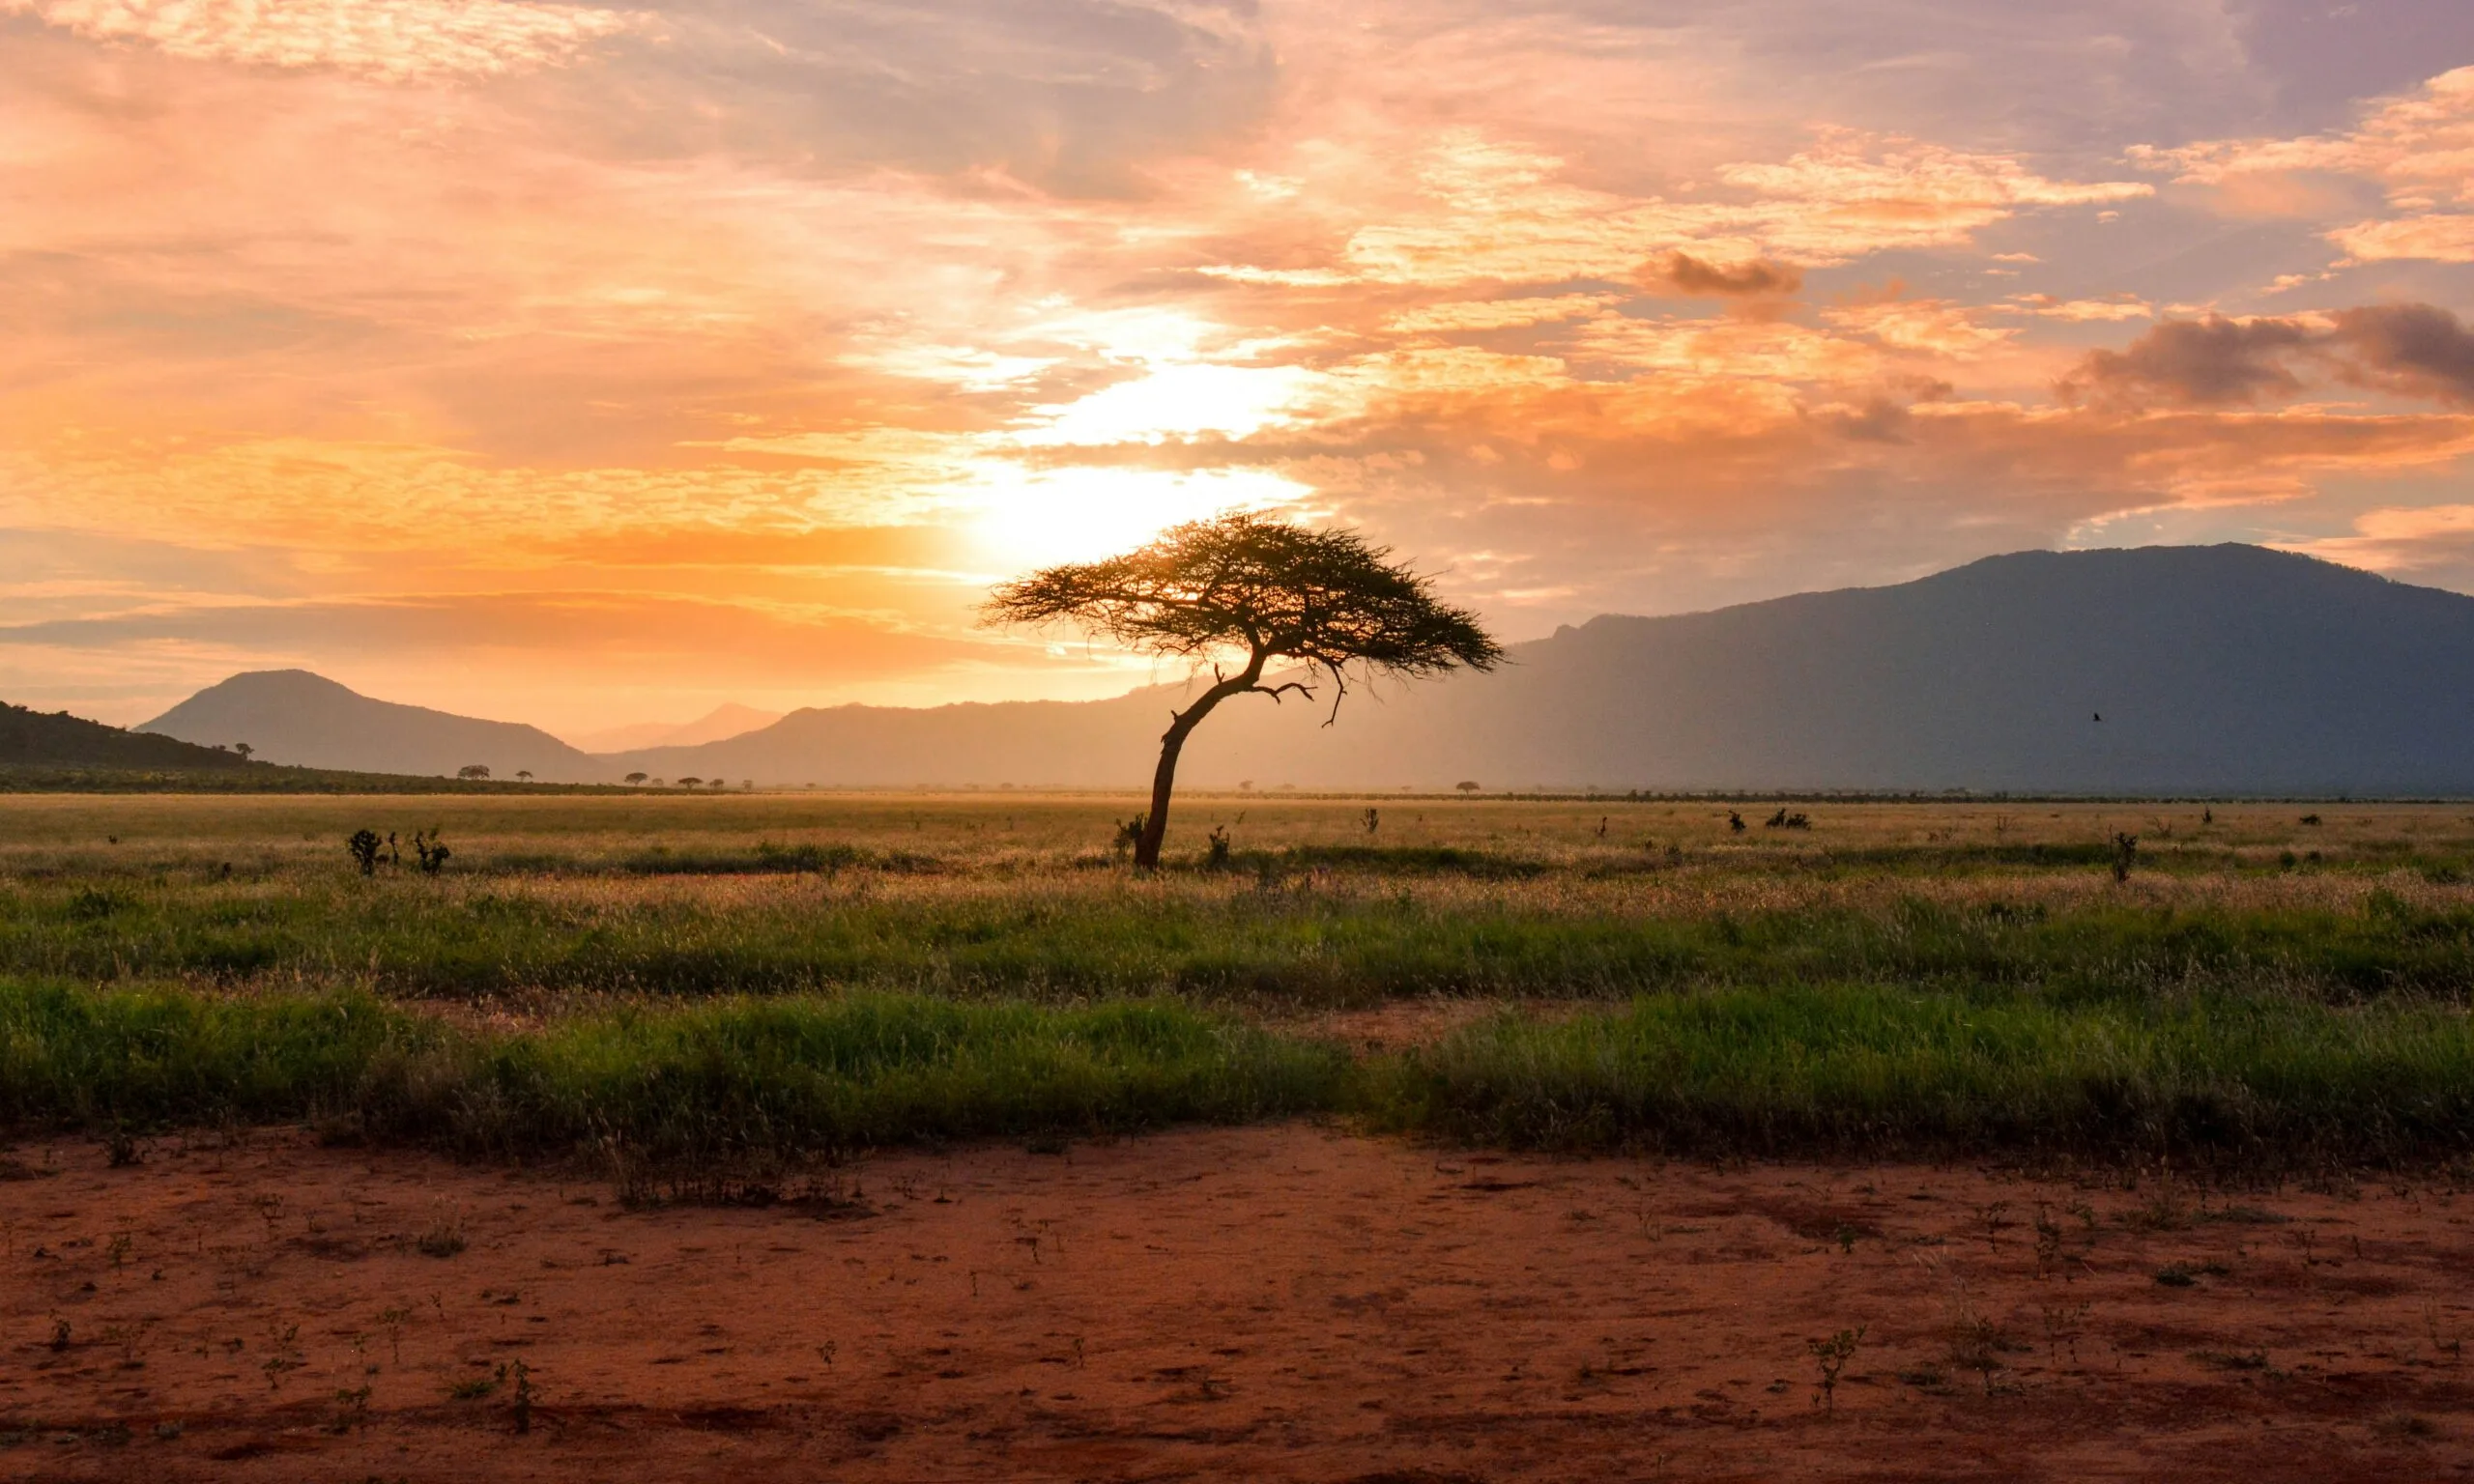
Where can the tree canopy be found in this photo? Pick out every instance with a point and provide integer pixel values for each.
(1247, 591)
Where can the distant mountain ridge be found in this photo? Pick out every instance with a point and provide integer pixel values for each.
(58, 740)
(2219, 669)
(2161, 670)
(292, 716)
(728, 720)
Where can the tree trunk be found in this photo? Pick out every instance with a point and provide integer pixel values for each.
(1164, 779)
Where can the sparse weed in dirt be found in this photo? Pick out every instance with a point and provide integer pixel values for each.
(393, 1320)
(2063, 1325)
(1978, 1345)
(520, 1398)
(352, 1409)
(283, 1355)
(443, 1238)
(472, 1389)
(1830, 1357)
(2188, 1275)
(2048, 1243)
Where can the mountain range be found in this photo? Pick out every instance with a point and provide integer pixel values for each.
(2162, 669)
(57, 739)
(723, 721)
(293, 716)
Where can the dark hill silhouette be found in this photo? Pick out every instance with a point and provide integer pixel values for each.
(2215, 670)
(292, 716)
(58, 740)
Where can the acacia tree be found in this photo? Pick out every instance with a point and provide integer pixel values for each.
(1243, 591)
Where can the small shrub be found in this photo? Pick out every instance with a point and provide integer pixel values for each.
(1130, 833)
(443, 1238)
(363, 845)
(431, 851)
(119, 1149)
(2125, 855)
(521, 1406)
(1831, 1356)
(1216, 848)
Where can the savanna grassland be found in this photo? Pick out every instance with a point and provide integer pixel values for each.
(2262, 983)
(787, 1135)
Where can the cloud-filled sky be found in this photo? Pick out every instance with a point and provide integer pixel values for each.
(586, 365)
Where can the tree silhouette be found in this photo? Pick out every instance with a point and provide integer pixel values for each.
(523, 775)
(635, 778)
(244, 749)
(1246, 590)
(473, 770)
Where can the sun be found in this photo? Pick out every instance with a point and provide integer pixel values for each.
(1024, 518)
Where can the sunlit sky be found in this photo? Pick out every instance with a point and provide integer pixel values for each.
(588, 364)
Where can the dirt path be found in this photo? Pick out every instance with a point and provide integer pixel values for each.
(1282, 1303)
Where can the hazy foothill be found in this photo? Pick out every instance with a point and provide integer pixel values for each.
(2010, 1104)
(2221, 671)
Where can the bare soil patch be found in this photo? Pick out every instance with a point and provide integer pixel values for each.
(1283, 1303)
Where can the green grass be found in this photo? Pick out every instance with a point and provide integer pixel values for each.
(785, 973)
(1292, 944)
(1863, 1070)
(777, 1075)
(2257, 1081)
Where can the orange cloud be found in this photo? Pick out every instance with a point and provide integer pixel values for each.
(2418, 148)
(581, 352)
(396, 39)
(1688, 275)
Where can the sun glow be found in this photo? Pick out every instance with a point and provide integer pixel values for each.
(1027, 518)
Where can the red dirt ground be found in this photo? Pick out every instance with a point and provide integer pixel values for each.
(1286, 1302)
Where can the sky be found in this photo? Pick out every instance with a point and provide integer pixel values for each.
(586, 365)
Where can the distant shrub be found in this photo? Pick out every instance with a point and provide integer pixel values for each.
(431, 851)
(2125, 855)
(474, 771)
(363, 845)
